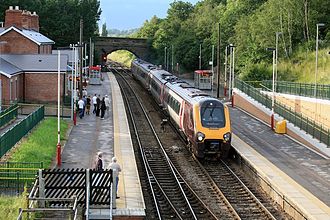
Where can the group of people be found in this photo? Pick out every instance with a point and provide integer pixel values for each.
(114, 166)
(100, 105)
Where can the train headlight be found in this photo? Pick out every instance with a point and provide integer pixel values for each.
(200, 136)
(227, 137)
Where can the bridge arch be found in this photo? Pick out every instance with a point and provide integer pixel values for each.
(138, 46)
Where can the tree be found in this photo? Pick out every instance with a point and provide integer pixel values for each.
(104, 30)
(59, 19)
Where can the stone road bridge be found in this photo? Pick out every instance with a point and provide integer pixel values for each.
(106, 45)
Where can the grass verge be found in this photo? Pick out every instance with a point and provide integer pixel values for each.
(40, 145)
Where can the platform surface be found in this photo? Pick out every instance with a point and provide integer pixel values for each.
(130, 191)
(112, 137)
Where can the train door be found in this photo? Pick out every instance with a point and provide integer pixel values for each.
(188, 121)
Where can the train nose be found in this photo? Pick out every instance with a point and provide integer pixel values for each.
(212, 146)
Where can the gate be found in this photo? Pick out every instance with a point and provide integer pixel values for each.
(66, 183)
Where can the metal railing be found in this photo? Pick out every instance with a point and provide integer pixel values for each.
(300, 89)
(8, 114)
(14, 134)
(15, 176)
(69, 211)
(298, 119)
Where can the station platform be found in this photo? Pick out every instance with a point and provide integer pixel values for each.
(112, 137)
(295, 175)
(294, 171)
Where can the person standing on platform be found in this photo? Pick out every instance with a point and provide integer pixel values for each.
(81, 105)
(98, 105)
(107, 103)
(103, 108)
(115, 167)
(84, 92)
(88, 105)
(85, 103)
(94, 103)
(99, 162)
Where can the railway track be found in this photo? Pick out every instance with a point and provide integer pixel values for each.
(173, 198)
(220, 188)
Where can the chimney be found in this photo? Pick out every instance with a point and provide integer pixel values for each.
(26, 19)
(21, 19)
(35, 22)
(13, 17)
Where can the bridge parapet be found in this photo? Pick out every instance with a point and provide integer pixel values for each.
(138, 46)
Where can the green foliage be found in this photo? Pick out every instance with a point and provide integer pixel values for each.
(122, 56)
(122, 33)
(256, 72)
(251, 25)
(104, 32)
(301, 67)
(41, 143)
(9, 206)
(60, 19)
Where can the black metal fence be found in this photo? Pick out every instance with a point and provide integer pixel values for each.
(14, 176)
(14, 134)
(300, 89)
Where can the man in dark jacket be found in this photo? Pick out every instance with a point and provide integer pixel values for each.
(99, 162)
(98, 105)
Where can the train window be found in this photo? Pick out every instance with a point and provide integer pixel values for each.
(212, 114)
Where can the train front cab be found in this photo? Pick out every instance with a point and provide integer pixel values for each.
(213, 131)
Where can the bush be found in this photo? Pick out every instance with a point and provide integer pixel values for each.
(256, 72)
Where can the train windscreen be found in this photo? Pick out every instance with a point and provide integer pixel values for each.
(212, 114)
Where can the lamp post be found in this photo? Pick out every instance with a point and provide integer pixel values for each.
(276, 52)
(172, 58)
(231, 71)
(200, 56)
(316, 53)
(212, 68)
(58, 147)
(273, 88)
(165, 53)
(226, 61)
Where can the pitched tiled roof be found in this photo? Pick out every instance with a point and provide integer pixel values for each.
(34, 36)
(36, 62)
(8, 69)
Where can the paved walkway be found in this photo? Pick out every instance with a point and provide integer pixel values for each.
(90, 135)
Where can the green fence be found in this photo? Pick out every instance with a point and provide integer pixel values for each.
(301, 89)
(304, 123)
(14, 176)
(8, 114)
(14, 134)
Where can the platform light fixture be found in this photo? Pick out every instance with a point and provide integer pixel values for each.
(273, 87)
(276, 53)
(316, 54)
(231, 48)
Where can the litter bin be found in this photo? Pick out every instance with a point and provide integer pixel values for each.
(280, 127)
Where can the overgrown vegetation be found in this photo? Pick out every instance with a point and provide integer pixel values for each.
(40, 145)
(122, 56)
(250, 25)
(9, 206)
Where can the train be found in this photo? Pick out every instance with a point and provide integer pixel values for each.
(204, 120)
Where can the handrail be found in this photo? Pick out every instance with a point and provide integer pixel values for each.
(298, 119)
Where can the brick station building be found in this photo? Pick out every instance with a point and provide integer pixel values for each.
(28, 69)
